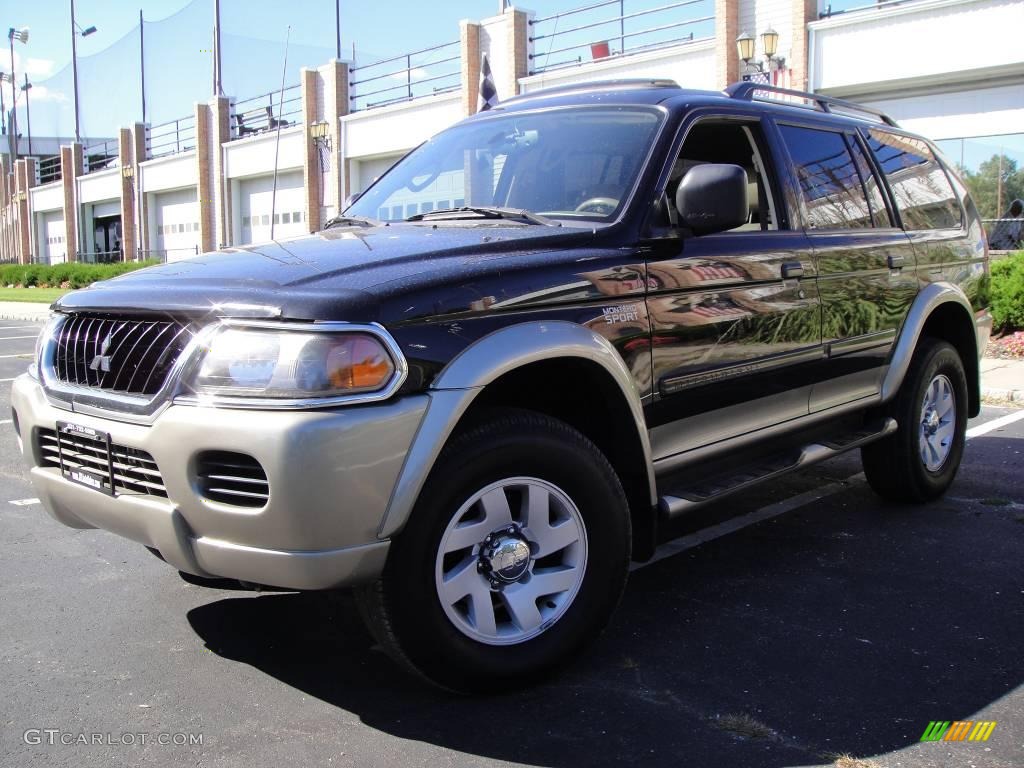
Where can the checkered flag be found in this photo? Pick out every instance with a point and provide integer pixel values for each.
(488, 93)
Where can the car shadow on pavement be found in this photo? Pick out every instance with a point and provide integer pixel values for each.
(841, 627)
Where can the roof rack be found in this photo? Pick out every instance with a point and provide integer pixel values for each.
(594, 85)
(749, 90)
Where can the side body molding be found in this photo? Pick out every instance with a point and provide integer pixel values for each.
(931, 297)
(484, 361)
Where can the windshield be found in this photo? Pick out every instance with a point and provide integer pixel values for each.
(569, 164)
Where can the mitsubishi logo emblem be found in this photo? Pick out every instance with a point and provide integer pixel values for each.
(101, 362)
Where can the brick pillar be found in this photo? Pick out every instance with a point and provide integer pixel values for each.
(335, 106)
(25, 178)
(141, 223)
(312, 102)
(518, 50)
(469, 34)
(204, 179)
(804, 12)
(220, 134)
(126, 162)
(727, 29)
(71, 167)
(6, 211)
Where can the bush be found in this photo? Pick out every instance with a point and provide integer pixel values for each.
(1008, 292)
(71, 275)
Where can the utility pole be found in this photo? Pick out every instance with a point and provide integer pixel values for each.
(218, 82)
(28, 115)
(74, 69)
(14, 104)
(142, 65)
(337, 29)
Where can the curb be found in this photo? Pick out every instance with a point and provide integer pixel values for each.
(1003, 395)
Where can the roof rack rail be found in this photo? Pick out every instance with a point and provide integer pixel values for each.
(748, 91)
(595, 85)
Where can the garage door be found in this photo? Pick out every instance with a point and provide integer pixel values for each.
(289, 214)
(371, 170)
(177, 224)
(53, 247)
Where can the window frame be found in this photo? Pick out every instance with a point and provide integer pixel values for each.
(864, 132)
(844, 132)
(766, 150)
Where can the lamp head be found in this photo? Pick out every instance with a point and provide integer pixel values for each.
(745, 47)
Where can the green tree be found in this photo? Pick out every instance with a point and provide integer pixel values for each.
(984, 184)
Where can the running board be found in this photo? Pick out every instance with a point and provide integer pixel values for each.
(680, 501)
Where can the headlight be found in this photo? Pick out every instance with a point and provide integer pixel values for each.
(293, 364)
(42, 340)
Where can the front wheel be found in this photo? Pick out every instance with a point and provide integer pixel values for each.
(514, 556)
(919, 461)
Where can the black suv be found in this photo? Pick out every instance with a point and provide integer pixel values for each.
(505, 370)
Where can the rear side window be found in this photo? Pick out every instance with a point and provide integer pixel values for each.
(830, 182)
(919, 185)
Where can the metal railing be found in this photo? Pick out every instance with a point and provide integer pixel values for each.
(427, 71)
(828, 13)
(101, 257)
(162, 254)
(100, 155)
(265, 112)
(48, 170)
(610, 36)
(171, 137)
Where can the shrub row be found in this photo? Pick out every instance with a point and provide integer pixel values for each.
(72, 275)
(1008, 292)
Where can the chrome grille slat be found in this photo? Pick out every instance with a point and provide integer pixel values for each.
(232, 478)
(134, 470)
(138, 353)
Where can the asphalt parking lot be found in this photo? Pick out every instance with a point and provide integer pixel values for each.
(818, 623)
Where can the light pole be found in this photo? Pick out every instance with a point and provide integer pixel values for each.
(75, 32)
(21, 35)
(28, 115)
(4, 77)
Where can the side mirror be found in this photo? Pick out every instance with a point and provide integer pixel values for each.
(713, 198)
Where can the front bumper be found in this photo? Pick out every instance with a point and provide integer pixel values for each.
(331, 474)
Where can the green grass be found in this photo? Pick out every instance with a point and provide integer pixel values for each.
(33, 295)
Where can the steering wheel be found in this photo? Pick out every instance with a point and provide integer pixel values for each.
(601, 205)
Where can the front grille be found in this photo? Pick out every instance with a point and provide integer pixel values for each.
(232, 478)
(117, 354)
(121, 470)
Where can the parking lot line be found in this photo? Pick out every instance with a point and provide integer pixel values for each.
(15, 338)
(989, 426)
(23, 354)
(19, 327)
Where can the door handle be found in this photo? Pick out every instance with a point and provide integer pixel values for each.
(792, 269)
(895, 262)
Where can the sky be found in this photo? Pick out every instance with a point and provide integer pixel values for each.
(178, 42)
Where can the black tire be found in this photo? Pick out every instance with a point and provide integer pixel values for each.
(894, 466)
(403, 609)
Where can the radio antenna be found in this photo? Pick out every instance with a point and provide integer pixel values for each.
(277, 142)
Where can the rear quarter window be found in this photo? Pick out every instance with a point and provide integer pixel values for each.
(920, 187)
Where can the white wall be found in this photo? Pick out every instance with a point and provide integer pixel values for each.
(99, 186)
(397, 128)
(254, 155)
(757, 16)
(47, 197)
(691, 65)
(935, 43)
(976, 112)
(171, 172)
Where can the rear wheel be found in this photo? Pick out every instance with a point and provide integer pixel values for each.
(514, 556)
(919, 461)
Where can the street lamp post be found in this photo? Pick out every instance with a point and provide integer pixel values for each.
(75, 32)
(21, 35)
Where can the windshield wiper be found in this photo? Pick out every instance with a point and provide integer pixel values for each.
(487, 212)
(352, 221)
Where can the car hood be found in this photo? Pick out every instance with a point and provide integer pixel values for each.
(338, 273)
